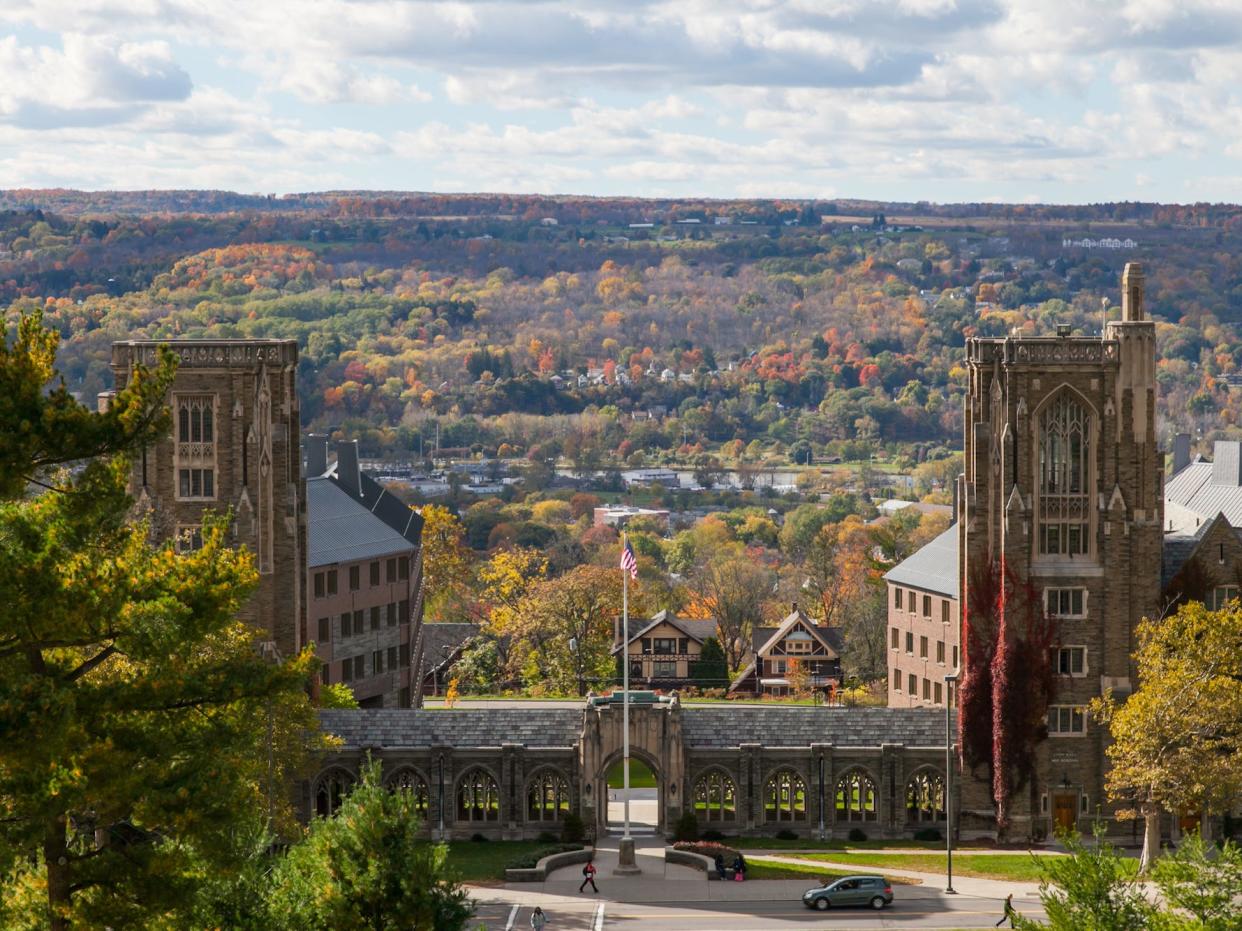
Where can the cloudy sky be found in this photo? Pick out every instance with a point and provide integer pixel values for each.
(944, 100)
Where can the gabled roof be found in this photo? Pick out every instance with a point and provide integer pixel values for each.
(933, 568)
(694, 628)
(829, 637)
(339, 529)
(1211, 487)
(441, 641)
(382, 503)
(1180, 546)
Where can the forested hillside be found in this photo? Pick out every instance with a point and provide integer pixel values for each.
(653, 330)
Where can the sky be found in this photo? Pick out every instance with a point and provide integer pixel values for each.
(1051, 101)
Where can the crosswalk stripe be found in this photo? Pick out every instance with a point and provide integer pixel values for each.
(599, 918)
(512, 918)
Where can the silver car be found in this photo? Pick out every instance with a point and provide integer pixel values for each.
(874, 891)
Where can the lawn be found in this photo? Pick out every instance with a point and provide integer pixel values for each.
(775, 843)
(641, 776)
(762, 869)
(485, 861)
(1015, 867)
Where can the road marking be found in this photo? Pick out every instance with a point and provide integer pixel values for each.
(598, 924)
(512, 918)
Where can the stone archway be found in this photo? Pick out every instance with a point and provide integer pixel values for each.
(646, 799)
(655, 738)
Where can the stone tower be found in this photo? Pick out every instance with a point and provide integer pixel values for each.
(1063, 489)
(234, 444)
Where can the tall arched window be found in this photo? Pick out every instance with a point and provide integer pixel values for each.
(1065, 480)
(925, 796)
(784, 797)
(547, 798)
(478, 798)
(856, 797)
(715, 797)
(330, 790)
(407, 780)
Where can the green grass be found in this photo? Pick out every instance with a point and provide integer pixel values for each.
(1014, 867)
(485, 861)
(775, 843)
(641, 776)
(762, 869)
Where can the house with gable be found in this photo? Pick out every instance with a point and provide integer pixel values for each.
(777, 652)
(662, 651)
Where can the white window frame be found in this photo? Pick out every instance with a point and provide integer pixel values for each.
(1048, 597)
(1067, 648)
(1069, 709)
(1221, 595)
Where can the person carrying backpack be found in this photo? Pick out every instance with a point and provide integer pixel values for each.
(538, 919)
(588, 876)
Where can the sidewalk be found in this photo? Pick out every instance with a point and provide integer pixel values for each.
(663, 882)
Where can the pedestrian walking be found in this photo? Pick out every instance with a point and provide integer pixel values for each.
(538, 919)
(588, 876)
(1009, 914)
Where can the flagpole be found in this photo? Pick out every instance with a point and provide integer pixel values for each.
(625, 680)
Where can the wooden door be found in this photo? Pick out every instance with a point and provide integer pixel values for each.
(1064, 811)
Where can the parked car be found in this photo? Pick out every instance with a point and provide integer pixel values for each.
(874, 891)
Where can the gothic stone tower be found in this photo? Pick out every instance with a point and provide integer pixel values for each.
(1063, 489)
(233, 444)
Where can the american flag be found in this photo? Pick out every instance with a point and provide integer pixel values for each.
(628, 561)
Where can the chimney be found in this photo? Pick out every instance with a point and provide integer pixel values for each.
(1181, 452)
(1227, 463)
(103, 401)
(347, 466)
(1132, 293)
(316, 455)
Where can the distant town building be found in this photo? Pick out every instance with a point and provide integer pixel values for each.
(620, 515)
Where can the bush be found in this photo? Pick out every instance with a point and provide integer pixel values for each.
(857, 834)
(928, 834)
(687, 827)
(573, 831)
(528, 861)
(546, 837)
(712, 834)
(478, 838)
(786, 834)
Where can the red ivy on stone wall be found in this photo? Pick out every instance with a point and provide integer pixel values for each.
(1008, 681)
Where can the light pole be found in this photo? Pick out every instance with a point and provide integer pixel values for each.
(949, 681)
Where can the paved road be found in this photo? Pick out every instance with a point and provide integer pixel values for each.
(588, 914)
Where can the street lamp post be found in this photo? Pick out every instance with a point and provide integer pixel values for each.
(949, 681)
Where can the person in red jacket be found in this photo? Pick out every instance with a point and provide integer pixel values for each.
(588, 876)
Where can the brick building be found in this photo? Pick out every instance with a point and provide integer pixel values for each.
(923, 615)
(364, 579)
(233, 444)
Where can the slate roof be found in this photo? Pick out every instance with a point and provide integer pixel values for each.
(933, 568)
(436, 637)
(486, 727)
(382, 503)
(1210, 488)
(801, 726)
(695, 628)
(339, 529)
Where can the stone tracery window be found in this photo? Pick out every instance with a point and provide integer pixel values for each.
(406, 779)
(925, 796)
(478, 798)
(547, 798)
(330, 790)
(1065, 481)
(856, 797)
(784, 797)
(715, 797)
